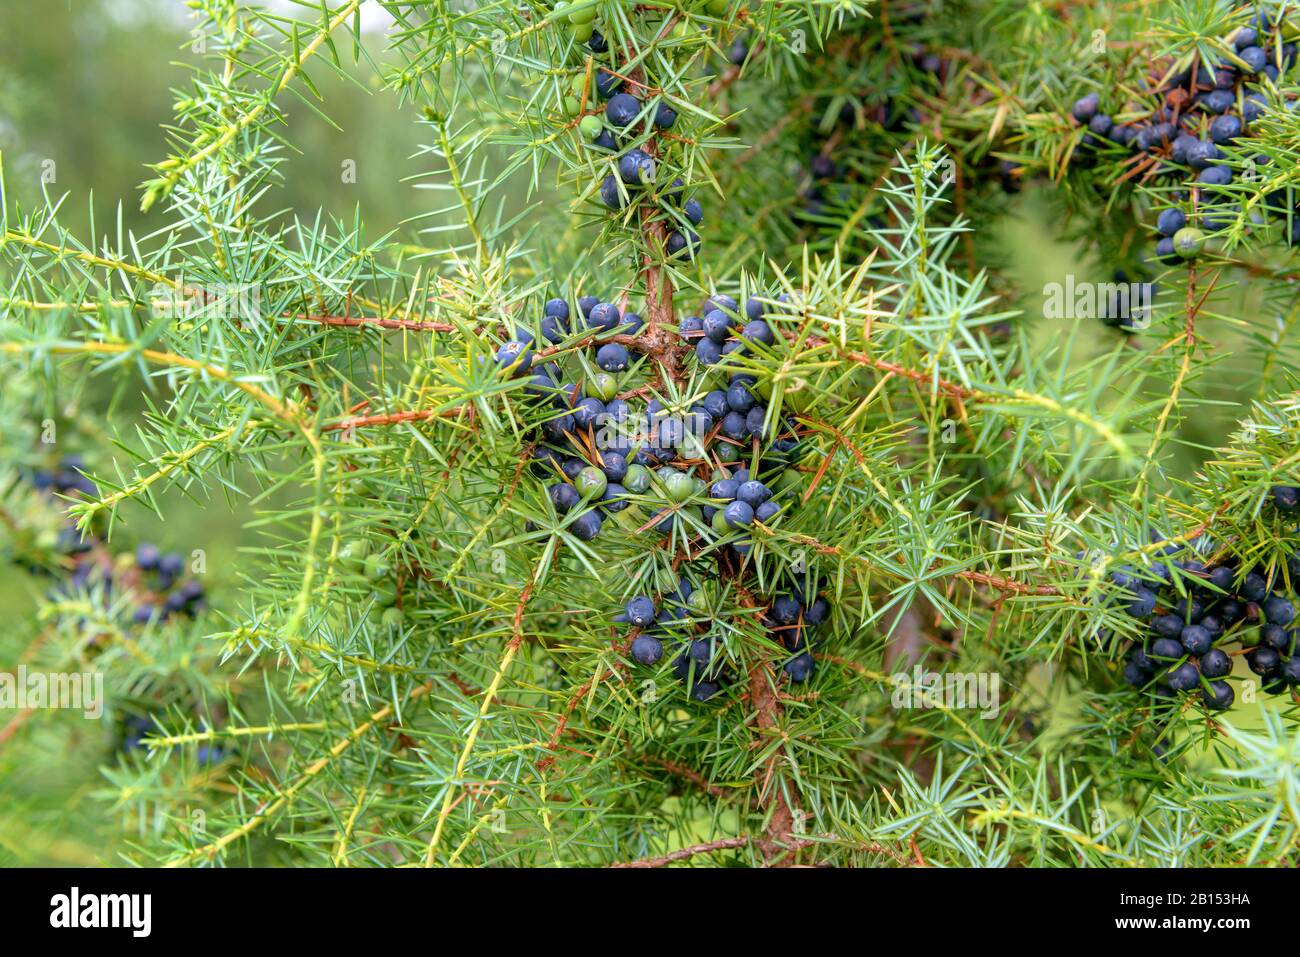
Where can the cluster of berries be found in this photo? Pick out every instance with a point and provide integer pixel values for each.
(724, 329)
(154, 581)
(598, 319)
(581, 18)
(158, 583)
(360, 557)
(1223, 606)
(702, 472)
(67, 481)
(682, 618)
(1201, 111)
(608, 455)
(635, 170)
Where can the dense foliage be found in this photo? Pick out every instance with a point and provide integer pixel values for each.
(696, 475)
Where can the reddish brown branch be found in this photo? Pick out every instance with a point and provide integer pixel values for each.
(726, 843)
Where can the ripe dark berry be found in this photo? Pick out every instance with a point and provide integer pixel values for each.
(1215, 663)
(1166, 253)
(1135, 675)
(614, 465)
(1263, 660)
(738, 515)
(597, 43)
(1142, 603)
(753, 493)
(622, 109)
(715, 403)
(614, 498)
(1170, 221)
(1253, 106)
(1218, 696)
(587, 525)
(1285, 497)
(1182, 677)
(717, 326)
(514, 356)
(563, 496)
(636, 167)
(1254, 58)
(1196, 640)
(640, 610)
(724, 303)
(678, 243)
(607, 84)
(1230, 611)
(816, 612)
(1189, 609)
(724, 489)
(757, 330)
(1216, 101)
(800, 669)
(1085, 108)
(1165, 650)
(704, 690)
(694, 211)
(733, 426)
(170, 565)
(647, 650)
(766, 512)
(1289, 670)
(690, 327)
(587, 412)
(1202, 153)
(612, 357)
(786, 610)
(740, 399)
(1277, 637)
(1168, 626)
(1225, 129)
(612, 194)
(665, 116)
(1254, 588)
(701, 654)
(604, 316)
(1178, 151)
(1221, 578)
(1277, 610)
(708, 351)
(1214, 176)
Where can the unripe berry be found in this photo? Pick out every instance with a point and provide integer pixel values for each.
(1188, 242)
